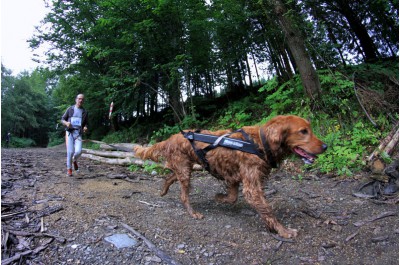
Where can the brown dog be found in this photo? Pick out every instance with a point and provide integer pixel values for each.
(281, 135)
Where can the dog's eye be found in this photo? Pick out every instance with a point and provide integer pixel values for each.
(304, 131)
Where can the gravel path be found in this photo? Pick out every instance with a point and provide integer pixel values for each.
(49, 218)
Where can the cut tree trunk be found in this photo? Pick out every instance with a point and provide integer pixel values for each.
(392, 144)
(119, 161)
(117, 154)
(387, 144)
(120, 158)
(126, 147)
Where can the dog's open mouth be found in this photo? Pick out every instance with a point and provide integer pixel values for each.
(306, 157)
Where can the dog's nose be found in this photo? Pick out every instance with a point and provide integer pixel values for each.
(324, 147)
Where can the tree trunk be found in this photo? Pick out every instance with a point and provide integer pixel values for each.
(358, 28)
(255, 67)
(296, 45)
(249, 72)
(174, 99)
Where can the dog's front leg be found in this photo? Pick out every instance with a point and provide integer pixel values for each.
(255, 197)
(185, 185)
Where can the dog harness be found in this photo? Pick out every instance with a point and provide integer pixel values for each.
(247, 146)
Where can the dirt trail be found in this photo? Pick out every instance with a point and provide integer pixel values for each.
(78, 212)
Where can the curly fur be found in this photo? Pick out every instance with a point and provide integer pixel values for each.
(283, 134)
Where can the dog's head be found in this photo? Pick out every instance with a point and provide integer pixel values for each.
(294, 133)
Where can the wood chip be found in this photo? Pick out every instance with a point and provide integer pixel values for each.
(379, 239)
(372, 219)
(150, 204)
(50, 210)
(350, 237)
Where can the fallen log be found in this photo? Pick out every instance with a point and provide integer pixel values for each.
(126, 147)
(127, 161)
(117, 154)
(392, 144)
(120, 161)
(124, 158)
(118, 147)
(387, 144)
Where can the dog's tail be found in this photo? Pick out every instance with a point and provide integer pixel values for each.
(154, 152)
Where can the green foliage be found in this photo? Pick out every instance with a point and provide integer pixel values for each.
(55, 139)
(347, 148)
(189, 122)
(25, 106)
(134, 168)
(150, 168)
(240, 113)
(90, 145)
(281, 98)
(299, 177)
(21, 142)
(234, 120)
(164, 133)
(123, 136)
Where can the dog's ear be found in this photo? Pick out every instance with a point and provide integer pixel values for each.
(276, 131)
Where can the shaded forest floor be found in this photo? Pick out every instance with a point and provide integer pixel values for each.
(50, 218)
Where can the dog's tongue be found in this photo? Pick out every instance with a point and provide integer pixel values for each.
(306, 157)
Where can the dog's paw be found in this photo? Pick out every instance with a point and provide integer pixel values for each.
(287, 233)
(197, 215)
(223, 198)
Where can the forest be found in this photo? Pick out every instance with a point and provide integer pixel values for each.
(170, 64)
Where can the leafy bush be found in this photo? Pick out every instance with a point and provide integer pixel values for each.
(128, 135)
(189, 122)
(56, 138)
(347, 148)
(234, 120)
(150, 168)
(56, 141)
(21, 142)
(283, 98)
(116, 137)
(240, 113)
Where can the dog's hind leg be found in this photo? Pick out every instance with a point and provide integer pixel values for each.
(168, 182)
(231, 196)
(255, 197)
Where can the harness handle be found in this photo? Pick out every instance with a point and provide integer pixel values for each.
(248, 146)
